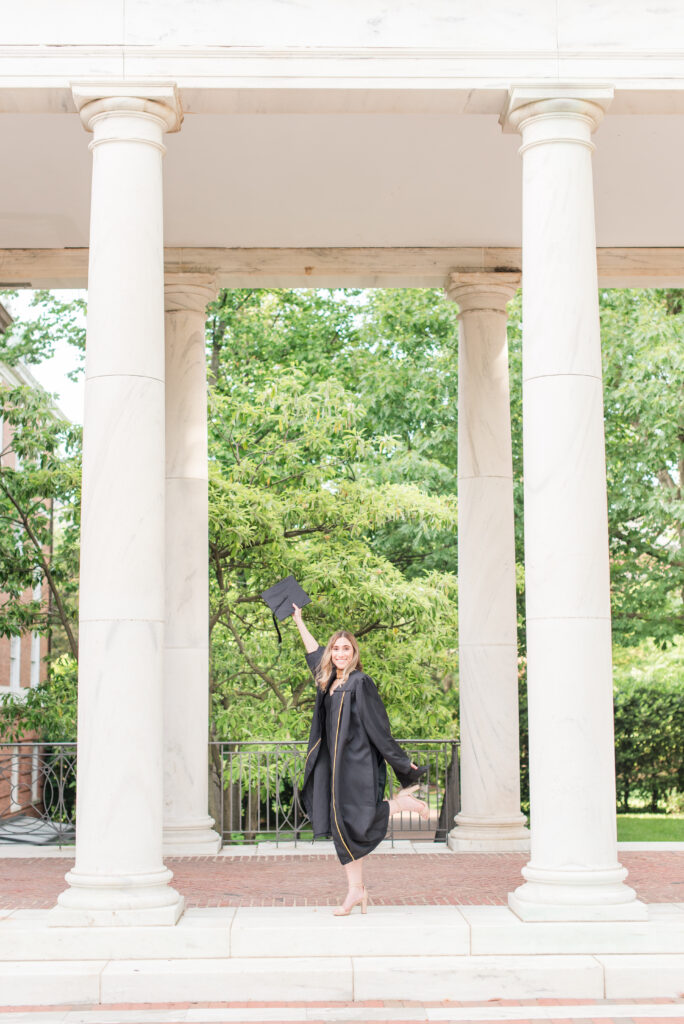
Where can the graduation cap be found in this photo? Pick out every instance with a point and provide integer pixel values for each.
(280, 598)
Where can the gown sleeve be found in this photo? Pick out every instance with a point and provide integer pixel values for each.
(376, 724)
(313, 660)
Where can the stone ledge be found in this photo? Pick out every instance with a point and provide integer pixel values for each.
(282, 933)
(331, 979)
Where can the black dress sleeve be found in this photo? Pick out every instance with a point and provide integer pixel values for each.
(376, 723)
(313, 660)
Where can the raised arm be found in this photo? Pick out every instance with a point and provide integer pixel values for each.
(310, 645)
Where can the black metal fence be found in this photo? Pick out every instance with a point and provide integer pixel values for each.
(254, 792)
(37, 793)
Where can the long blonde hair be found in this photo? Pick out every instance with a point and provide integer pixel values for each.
(325, 666)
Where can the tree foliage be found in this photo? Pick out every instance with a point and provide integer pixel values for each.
(333, 441)
(290, 491)
(643, 347)
(40, 513)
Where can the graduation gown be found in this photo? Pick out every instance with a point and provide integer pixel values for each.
(345, 774)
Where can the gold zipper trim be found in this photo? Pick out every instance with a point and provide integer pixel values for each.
(337, 732)
(311, 752)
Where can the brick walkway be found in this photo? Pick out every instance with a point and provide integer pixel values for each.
(392, 879)
(388, 1011)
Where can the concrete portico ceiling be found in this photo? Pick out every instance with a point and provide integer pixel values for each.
(316, 180)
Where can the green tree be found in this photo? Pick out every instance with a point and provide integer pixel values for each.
(35, 338)
(40, 511)
(290, 492)
(642, 334)
(643, 366)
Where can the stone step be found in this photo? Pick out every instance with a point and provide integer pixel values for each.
(314, 932)
(340, 979)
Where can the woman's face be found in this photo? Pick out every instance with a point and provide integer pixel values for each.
(341, 652)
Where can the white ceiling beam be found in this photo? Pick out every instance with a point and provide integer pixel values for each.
(402, 267)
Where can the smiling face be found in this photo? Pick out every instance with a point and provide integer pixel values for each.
(341, 653)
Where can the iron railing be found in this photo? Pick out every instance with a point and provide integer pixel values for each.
(254, 792)
(37, 793)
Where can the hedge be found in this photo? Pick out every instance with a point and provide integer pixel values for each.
(649, 742)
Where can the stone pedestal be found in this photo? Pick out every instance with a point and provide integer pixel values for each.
(573, 873)
(490, 817)
(119, 877)
(188, 830)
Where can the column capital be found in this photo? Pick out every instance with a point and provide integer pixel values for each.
(191, 292)
(526, 103)
(482, 291)
(155, 99)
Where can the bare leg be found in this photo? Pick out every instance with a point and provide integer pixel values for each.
(356, 892)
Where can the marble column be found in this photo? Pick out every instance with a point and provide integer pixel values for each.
(119, 877)
(188, 829)
(573, 872)
(490, 817)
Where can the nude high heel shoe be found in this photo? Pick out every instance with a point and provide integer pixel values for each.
(346, 908)
(408, 802)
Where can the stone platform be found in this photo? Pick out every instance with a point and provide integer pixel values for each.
(434, 946)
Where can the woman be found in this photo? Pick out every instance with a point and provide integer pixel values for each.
(345, 773)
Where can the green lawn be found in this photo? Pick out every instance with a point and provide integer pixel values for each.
(646, 828)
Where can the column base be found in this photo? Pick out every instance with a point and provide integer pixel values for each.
(110, 901)
(504, 835)
(576, 894)
(195, 838)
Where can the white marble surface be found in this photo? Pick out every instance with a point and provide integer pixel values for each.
(198, 934)
(535, 27)
(262, 979)
(194, 961)
(40, 984)
(573, 870)
(314, 932)
(118, 877)
(187, 582)
(122, 533)
(571, 743)
(488, 670)
(631, 977)
(120, 686)
(497, 930)
(486, 566)
(188, 829)
(481, 977)
(566, 520)
(489, 743)
(493, 25)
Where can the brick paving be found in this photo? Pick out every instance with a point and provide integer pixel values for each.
(317, 880)
(588, 1011)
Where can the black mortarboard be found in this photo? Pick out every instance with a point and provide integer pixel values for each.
(282, 595)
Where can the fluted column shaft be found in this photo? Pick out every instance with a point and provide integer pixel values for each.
(490, 817)
(119, 876)
(187, 827)
(573, 872)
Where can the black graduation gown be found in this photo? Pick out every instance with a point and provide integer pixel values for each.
(345, 774)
